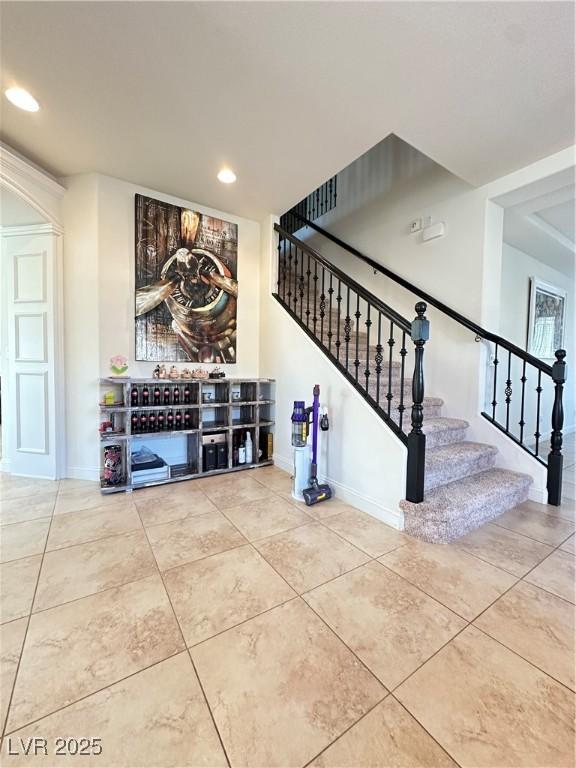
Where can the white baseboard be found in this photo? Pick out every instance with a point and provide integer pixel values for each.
(83, 473)
(538, 494)
(5, 465)
(393, 518)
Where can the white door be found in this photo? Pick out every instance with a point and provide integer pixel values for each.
(33, 419)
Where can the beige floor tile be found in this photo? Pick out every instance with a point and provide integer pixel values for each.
(281, 687)
(183, 541)
(22, 487)
(488, 707)
(78, 499)
(556, 574)
(29, 508)
(456, 579)
(365, 532)
(76, 649)
(569, 545)
(392, 626)
(505, 549)
(274, 478)
(85, 569)
(17, 584)
(174, 506)
(258, 519)
(218, 592)
(11, 642)
(387, 737)
(567, 510)
(242, 491)
(71, 484)
(92, 524)
(310, 555)
(550, 529)
(23, 539)
(536, 625)
(157, 717)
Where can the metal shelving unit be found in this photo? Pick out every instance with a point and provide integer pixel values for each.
(233, 395)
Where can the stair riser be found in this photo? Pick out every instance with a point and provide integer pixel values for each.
(456, 470)
(445, 437)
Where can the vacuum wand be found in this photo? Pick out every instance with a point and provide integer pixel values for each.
(315, 492)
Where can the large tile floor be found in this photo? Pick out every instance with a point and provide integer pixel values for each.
(216, 623)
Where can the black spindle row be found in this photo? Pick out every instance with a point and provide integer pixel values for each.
(313, 206)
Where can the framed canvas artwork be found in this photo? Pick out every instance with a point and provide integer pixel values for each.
(546, 319)
(186, 284)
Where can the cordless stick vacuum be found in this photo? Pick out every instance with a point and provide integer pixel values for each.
(316, 492)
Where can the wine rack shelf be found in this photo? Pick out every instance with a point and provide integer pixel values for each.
(217, 412)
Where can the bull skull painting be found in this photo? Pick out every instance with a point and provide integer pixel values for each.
(194, 259)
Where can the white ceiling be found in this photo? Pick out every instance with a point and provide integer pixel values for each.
(16, 212)
(287, 93)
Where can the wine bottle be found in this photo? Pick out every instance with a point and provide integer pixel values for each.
(178, 420)
(176, 396)
(143, 422)
(145, 395)
(170, 421)
(157, 395)
(134, 396)
(248, 448)
(161, 422)
(134, 421)
(166, 396)
(242, 453)
(187, 420)
(152, 422)
(235, 456)
(187, 394)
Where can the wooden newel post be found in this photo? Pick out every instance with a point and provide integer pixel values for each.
(420, 333)
(555, 458)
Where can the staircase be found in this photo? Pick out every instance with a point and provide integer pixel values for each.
(453, 485)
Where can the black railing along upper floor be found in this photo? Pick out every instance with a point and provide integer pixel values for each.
(515, 359)
(313, 206)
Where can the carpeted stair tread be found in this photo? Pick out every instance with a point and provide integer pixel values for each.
(450, 511)
(447, 463)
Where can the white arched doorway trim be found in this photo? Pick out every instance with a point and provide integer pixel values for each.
(32, 325)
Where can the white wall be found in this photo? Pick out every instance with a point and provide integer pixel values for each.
(360, 457)
(99, 299)
(517, 269)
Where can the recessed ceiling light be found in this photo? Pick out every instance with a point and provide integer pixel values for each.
(226, 176)
(22, 99)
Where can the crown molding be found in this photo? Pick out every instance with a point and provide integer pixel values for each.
(14, 167)
(49, 228)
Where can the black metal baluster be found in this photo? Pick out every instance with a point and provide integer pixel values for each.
(391, 342)
(301, 292)
(295, 299)
(308, 273)
(522, 423)
(538, 434)
(420, 334)
(357, 315)
(508, 392)
(335, 189)
(378, 358)
(339, 305)
(330, 190)
(322, 306)
(330, 332)
(555, 458)
(289, 271)
(403, 353)
(494, 401)
(347, 324)
(368, 323)
(318, 202)
(281, 241)
(315, 315)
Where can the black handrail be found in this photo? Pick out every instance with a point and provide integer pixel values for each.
(431, 301)
(390, 313)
